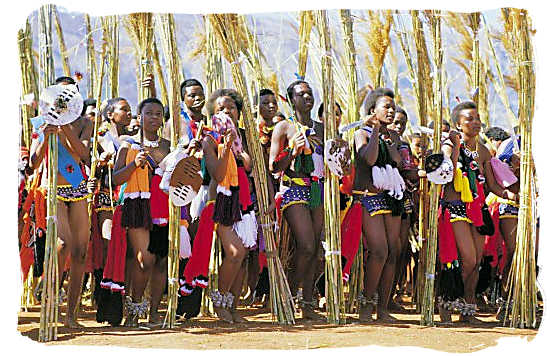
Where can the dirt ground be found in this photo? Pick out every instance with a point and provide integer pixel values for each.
(260, 333)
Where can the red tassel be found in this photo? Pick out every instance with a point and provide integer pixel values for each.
(244, 189)
(473, 209)
(96, 244)
(116, 253)
(351, 235)
(447, 243)
(159, 200)
(202, 245)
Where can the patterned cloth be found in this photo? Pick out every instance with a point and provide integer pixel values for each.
(457, 210)
(295, 194)
(69, 194)
(104, 202)
(376, 204)
(508, 210)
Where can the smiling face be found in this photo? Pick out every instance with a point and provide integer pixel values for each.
(122, 113)
(385, 110)
(194, 98)
(227, 105)
(268, 106)
(303, 98)
(469, 122)
(399, 123)
(151, 117)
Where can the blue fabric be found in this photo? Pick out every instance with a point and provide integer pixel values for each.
(67, 166)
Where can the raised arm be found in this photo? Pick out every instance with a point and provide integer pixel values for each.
(278, 138)
(367, 149)
(76, 144)
(216, 167)
(123, 171)
(38, 148)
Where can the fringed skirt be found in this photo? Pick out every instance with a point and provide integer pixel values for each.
(136, 213)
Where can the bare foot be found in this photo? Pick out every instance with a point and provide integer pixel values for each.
(237, 318)
(365, 313)
(384, 316)
(70, 323)
(470, 319)
(394, 306)
(224, 314)
(154, 319)
(445, 316)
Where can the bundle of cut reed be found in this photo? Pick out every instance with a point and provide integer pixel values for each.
(61, 40)
(215, 73)
(351, 114)
(378, 40)
(226, 27)
(94, 152)
(522, 279)
(167, 35)
(90, 57)
(24, 39)
(467, 25)
(110, 24)
(160, 76)
(500, 84)
(305, 19)
(49, 307)
(421, 85)
(427, 303)
(140, 30)
(333, 266)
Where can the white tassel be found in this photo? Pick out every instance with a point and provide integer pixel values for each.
(185, 243)
(376, 177)
(199, 202)
(390, 182)
(318, 164)
(247, 230)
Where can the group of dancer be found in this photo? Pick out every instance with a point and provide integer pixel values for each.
(125, 243)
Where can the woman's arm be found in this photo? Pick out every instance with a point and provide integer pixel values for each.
(216, 167)
(367, 149)
(123, 171)
(75, 144)
(277, 138)
(38, 148)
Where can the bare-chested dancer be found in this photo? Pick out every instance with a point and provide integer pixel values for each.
(473, 158)
(293, 145)
(72, 213)
(376, 146)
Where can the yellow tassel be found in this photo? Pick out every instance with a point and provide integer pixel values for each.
(457, 180)
(466, 194)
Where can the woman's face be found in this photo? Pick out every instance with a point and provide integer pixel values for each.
(151, 117)
(469, 122)
(122, 113)
(399, 123)
(226, 105)
(385, 110)
(268, 106)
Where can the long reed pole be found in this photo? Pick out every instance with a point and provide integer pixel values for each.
(167, 31)
(227, 30)
(61, 40)
(333, 267)
(427, 305)
(49, 305)
(90, 57)
(522, 281)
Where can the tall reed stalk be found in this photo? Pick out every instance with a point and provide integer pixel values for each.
(140, 30)
(49, 305)
(90, 57)
(167, 35)
(24, 39)
(305, 18)
(334, 293)
(227, 29)
(61, 40)
(522, 279)
(427, 304)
